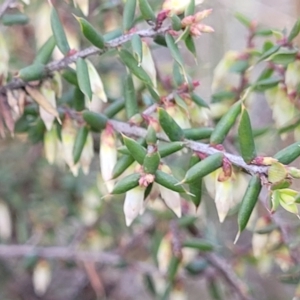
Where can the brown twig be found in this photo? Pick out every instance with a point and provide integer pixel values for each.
(66, 253)
(238, 161)
(58, 65)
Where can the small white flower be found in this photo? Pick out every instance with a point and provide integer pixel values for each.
(51, 145)
(5, 221)
(108, 157)
(172, 199)
(133, 204)
(87, 154)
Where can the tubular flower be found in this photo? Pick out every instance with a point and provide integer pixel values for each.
(133, 204)
(5, 221)
(41, 277)
(87, 154)
(108, 156)
(51, 145)
(171, 198)
(49, 95)
(221, 191)
(68, 135)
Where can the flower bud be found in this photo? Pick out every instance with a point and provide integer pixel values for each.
(164, 254)
(88, 210)
(187, 21)
(49, 94)
(282, 108)
(178, 292)
(172, 200)
(5, 221)
(199, 16)
(99, 95)
(259, 241)
(41, 277)
(51, 145)
(224, 198)
(222, 78)
(108, 156)
(133, 204)
(68, 135)
(4, 54)
(148, 65)
(87, 154)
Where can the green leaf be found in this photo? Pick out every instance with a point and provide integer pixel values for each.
(83, 78)
(90, 33)
(96, 121)
(198, 100)
(288, 154)
(174, 50)
(146, 11)
(266, 84)
(33, 72)
(128, 14)
(204, 167)
(177, 74)
(284, 56)
(169, 148)
(195, 187)
(127, 183)
(44, 54)
(222, 96)
(168, 181)
(131, 105)
(295, 31)
(59, 33)
(136, 150)
(246, 139)
(197, 133)
(170, 127)
(225, 124)
(78, 99)
(249, 200)
(128, 59)
(70, 76)
(239, 66)
(112, 35)
(114, 108)
(79, 143)
(176, 22)
(14, 19)
(190, 10)
(199, 244)
(269, 52)
(151, 162)
(137, 47)
(243, 19)
(122, 164)
(190, 44)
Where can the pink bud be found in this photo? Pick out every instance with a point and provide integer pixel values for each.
(189, 20)
(202, 14)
